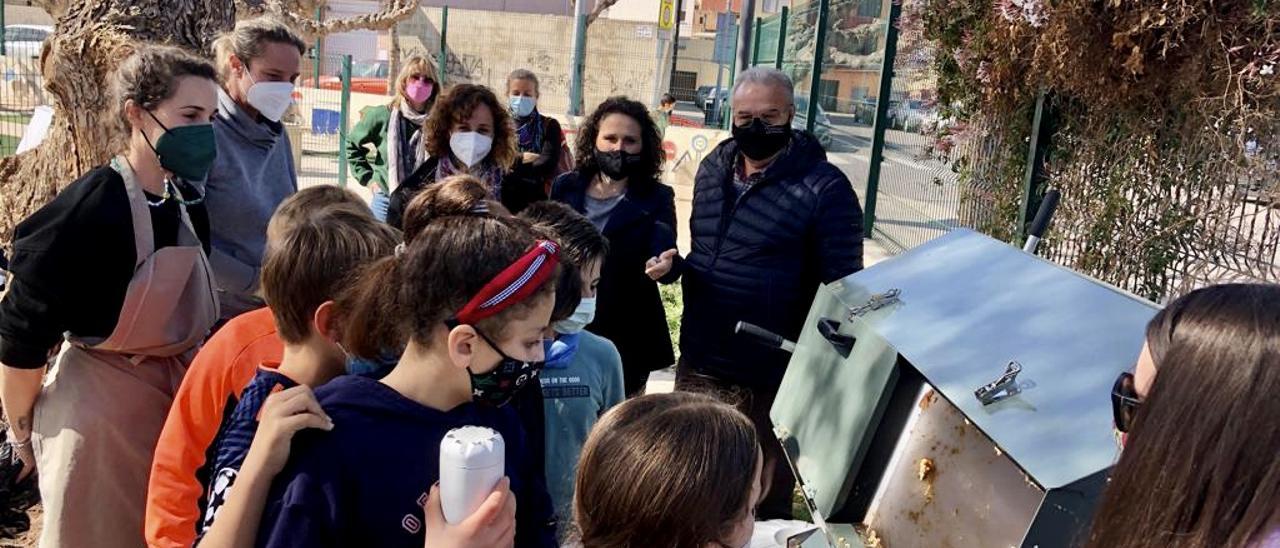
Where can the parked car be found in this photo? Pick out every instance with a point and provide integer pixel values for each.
(708, 100)
(913, 115)
(702, 94)
(822, 123)
(366, 77)
(25, 40)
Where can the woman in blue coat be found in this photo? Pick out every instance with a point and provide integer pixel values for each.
(619, 157)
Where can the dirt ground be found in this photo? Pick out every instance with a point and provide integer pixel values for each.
(28, 539)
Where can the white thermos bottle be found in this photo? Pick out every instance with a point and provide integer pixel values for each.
(472, 462)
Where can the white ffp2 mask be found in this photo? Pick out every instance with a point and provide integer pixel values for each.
(271, 99)
(470, 147)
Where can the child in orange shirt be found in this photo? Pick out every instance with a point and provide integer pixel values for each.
(181, 470)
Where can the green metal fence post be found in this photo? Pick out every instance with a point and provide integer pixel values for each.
(733, 73)
(319, 50)
(343, 116)
(1034, 177)
(782, 37)
(443, 58)
(578, 67)
(819, 53)
(755, 45)
(3, 47)
(881, 120)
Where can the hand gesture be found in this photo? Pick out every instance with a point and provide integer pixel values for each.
(492, 525)
(659, 266)
(283, 415)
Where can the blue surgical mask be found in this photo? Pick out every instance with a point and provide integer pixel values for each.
(371, 368)
(581, 318)
(560, 350)
(522, 106)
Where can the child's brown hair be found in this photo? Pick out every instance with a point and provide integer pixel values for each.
(672, 470)
(306, 202)
(312, 260)
(456, 245)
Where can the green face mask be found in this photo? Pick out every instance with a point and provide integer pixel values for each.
(186, 151)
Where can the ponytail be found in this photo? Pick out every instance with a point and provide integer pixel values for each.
(368, 328)
(456, 240)
(456, 195)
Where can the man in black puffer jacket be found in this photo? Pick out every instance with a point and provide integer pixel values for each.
(772, 219)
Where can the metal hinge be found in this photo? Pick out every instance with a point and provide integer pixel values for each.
(876, 302)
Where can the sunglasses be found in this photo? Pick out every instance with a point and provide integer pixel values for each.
(1124, 402)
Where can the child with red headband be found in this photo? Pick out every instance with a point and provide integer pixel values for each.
(471, 295)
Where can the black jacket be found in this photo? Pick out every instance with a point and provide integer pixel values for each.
(528, 182)
(760, 257)
(628, 307)
(418, 180)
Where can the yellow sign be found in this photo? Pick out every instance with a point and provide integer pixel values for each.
(667, 14)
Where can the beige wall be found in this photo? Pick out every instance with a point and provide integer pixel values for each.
(483, 47)
(696, 57)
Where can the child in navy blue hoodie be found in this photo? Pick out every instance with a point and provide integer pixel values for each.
(471, 296)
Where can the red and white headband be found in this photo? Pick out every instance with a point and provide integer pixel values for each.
(513, 285)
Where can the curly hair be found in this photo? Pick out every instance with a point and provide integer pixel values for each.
(456, 106)
(650, 139)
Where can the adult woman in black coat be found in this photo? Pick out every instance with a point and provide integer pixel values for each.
(619, 156)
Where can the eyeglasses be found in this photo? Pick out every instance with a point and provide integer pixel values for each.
(1124, 402)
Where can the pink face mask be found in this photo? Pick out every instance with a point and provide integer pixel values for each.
(419, 91)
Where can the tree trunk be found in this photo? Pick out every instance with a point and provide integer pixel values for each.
(90, 39)
(393, 61)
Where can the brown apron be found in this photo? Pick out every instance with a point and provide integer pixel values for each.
(103, 404)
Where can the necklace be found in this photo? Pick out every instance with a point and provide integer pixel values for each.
(168, 191)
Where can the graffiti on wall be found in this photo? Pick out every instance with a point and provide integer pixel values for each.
(540, 61)
(465, 67)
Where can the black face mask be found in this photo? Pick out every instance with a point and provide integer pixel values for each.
(497, 387)
(618, 164)
(760, 141)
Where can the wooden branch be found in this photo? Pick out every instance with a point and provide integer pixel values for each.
(601, 5)
(393, 12)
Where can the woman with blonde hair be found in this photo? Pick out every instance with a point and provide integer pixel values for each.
(258, 62)
(395, 133)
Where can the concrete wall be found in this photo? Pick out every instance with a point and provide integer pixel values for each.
(622, 58)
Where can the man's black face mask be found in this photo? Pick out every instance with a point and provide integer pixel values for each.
(760, 141)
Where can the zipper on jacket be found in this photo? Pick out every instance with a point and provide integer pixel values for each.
(733, 212)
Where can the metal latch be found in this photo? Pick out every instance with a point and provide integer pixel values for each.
(1004, 387)
(876, 302)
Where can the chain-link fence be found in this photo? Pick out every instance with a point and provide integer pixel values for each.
(22, 97)
(318, 121)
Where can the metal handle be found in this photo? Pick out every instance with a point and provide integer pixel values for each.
(1041, 223)
(830, 330)
(1005, 386)
(764, 336)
